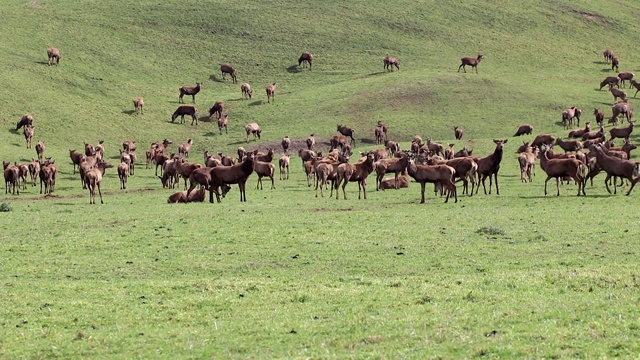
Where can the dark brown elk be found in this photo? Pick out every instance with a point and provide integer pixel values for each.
(527, 161)
(594, 134)
(185, 148)
(228, 69)
(635, 85)
(617, 93)
(599, 114)
(525, 129)
(347, 131)
(129, 145)
(29, 132)
(622, 133)
(379, 135)
(307, 58)
(26, 120)
(464, 152)
(76, 158)
(458, 132)
(138, 104)
(123, 174)
(611, 81)
(569, 145)
(569, 114)
(390, 62)
(384, 128)
(562, 168)
(626, 76)
(253, 128)
(286, 143)
(619, 108)
(338, 141)
(93, 180)
(263, 169)
(473, 62)
(40, 148)
(613, 166)
(190, 90)
(543, 139)
(11, 178)
(217, 108)
(246, 90)
(132, 165)
(392, 146)
(608, 54)
(220, 175)
(526, 146)
(271, 92)
(223, 123)
(448, 152)
(615, 62)
(577, 133)
(89, 150)
(435, 148)
(34, 170)
(355, 173)
(489, 166)
(48, 173)
(435, 174)
(53, 54)
(311, 141)
(184, 169)
(183, 110)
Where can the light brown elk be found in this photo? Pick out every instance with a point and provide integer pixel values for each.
(223, 123)
(394, 165)
(561, 168)
(53, 54)
(608, 55)
(348, 132)
(285, 143)
(283, 163)
(76, 158)
(469, 61)
(29, 132)
(617, 93)
(253, 128)
(190, 90)
(138, 104)
(613, 166)
(524, 129)
(40, 148)
(271, 92)
(355, 173)
(236, 174)
(264, 169)
(11, 178)
(185, 148)
(527, 162)
(458, 132)
(34, 170)
(25, 120)
(390, 62)
(435, 174)
(93, 180)
(246, 90)
(123, 174)
(569, 114)
(310, 141)
(569, 145)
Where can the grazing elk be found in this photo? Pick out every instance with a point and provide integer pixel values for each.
(53, 54)
(228, 69)
(473, 62)
(524, 129)
(26, 120)
(490, 166)
(458, 132)
(617, 93)
(253, 128)
(390, 62)
(347, 131)
(246, 90)
(217, 108)
(190, 90)
(29, 132)
(183, 110)
(306, 57)
(613, 166)
(138, 103)
(611, 81)
(635, 85)
(271, 92)
(223, 123)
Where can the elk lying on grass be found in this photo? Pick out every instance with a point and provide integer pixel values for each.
(393, 183)
(394, 165)
(355, 172)
(473, 62)
(562, 168)
(390, 62)
(307, 58)
(246, 90)
(436, 174)
(53, 54)
(525, 129)
(577, 133)
(593, 134)
(622, 133)
(490, 165)
(464, 152)
(271, 92)
(569, 114)
(183, 110)
(284, 167)
(190, 90)
(348, 132)
(228, 69)
(138, 103)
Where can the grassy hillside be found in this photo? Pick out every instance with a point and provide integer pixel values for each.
(288, 275)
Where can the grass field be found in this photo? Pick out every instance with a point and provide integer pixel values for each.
(289, 275)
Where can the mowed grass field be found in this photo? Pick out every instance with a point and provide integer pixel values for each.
(286, 274)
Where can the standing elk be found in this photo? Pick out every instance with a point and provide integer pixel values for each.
(286, 143)
(34, 171)
(635, 85)
(626, 76)
(473, 62)
(347, 131)
(458, 132)
(613, 166)
(561, 168)
(138, 103)
(246, 90)
(379, 135)
(436, 174)
(185, 148)
(619, 108)
(253, 128)
(190, 90)
(490, 166)
(524, 129)
(217, 108)
(354, 172)
(617, 93)
(183, 110)
(385, 129)
(223, 122)
(283, 163)
(271, 92)
(53, 54)
(306, 57)
(48, 173)
(29, 132)
(390, 62)
(40, 148)
(228, 69)
(615, 62)
(93, 180)
(11, 178)
(599, 114)
(608, 54)
(310, 141)
(569, 114)
(123, 174)
(622, 133)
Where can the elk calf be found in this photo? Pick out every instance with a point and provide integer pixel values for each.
(473, 62)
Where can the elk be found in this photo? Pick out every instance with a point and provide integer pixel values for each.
(354, 172)
(577, 133)
(593, 134)
(614, 63)
(48, 173)
(543, 139)
(283, 163)
(436, 174)
(29, 132)
(636, 85)
(448, 152)
(568, 145)
(526, 146)
(525, 129)
(40, 148)
(138, 103)
(285, 143)
(263, 169)
(471, 62)
(458, 132)
(228, 69)
(624, 76)
(347, 131)
(384, 128)
(217, 108)
(392, 146)
(569, 114)
(379, 135)
(394, 165)
(622, 133)
(338, 140)
(99, 149)
(53, 54)
(220, 175)
(390, 62)
(561, 168)
(464, 152)
(610, 80)
(246, 90)
(392, 183)
(608, 55)
(76, 158)
(123, 174)
(129, 145)
(306, 57)
(190, 90)
(621, 107)
(253, 128)
(183, 110)
(617, 93)
(25, 120)
(599, 116)
(185, 148)
(527, 162)
(435, 147)
(490, 165)
(11, 178)
(184, 169)
(310, 141)
(93, 179)
(617, 167)
(34, 170)
(271, 92)
(223, 123)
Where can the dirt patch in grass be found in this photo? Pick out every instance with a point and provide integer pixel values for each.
(35, 4)
(591, 16)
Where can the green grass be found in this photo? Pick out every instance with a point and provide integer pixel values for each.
(288, 275)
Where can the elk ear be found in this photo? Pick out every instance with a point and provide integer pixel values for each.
(505, 141)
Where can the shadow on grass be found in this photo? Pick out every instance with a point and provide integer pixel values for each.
(600, 62)
(562, 196)
(257, 102)
(606, 70)
(210, 134)
(216, 79)
(376, 73)
(367, 141)
(42, 62)
(18, 145)
(128, 112)
(14, 131)
(293, 69)
(205, 119)
(241, 142)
